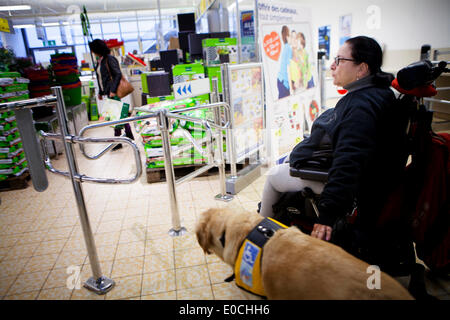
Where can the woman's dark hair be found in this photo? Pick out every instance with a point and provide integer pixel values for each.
(284, 33)
(302, 40)
(99, 47)
(365, 49)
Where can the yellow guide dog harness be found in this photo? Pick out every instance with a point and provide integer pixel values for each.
(247, 268)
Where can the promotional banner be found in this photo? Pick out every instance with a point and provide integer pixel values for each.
(324, 39)
(290, 73)
(246, 100)
(247, 36)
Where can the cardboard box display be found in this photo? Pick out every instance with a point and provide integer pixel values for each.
(219, 50)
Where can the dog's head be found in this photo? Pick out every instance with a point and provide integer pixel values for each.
(222, 231)
(210, 231)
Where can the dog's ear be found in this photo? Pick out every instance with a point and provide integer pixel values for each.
(203, 233)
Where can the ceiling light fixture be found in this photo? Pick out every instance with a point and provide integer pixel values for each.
(23, 26)
(15, 8)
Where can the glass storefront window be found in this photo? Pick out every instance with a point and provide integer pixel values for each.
(33, 41)
(124, 26)
(53, 33)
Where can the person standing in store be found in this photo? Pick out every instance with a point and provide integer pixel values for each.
(111, 75)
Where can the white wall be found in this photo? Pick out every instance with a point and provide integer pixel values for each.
(404, 24)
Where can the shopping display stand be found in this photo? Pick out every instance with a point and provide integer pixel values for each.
(243, 91)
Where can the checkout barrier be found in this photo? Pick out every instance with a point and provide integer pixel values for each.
(243, 90)
(37, 158)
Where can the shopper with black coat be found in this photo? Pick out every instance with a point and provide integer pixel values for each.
(365, 159)
(111, 75)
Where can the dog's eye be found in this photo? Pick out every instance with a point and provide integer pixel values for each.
(222, 239)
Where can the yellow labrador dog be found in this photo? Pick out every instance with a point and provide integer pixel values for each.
(294, 265)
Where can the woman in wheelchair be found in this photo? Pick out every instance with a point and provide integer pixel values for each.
(355, 141)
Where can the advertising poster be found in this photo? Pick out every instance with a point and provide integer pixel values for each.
(290, 74)
(324, 39)
(247, 106)
(247, 25)
(345, 28)
(247, 36)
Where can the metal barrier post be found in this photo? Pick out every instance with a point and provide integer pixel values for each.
(321, 74)
(163, 124)
(219, 145)
(230, 139)
(98, 283)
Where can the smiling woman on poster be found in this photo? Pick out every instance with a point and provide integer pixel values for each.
(283, 81)
(305, 66)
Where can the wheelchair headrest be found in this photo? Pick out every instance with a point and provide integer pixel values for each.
(422, 91)
(417, 78)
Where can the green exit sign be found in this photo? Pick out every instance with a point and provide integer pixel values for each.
(49, 43)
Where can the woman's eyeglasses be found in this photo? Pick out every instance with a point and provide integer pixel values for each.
(337, 59)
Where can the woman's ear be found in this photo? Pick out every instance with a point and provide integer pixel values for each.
(363, 70)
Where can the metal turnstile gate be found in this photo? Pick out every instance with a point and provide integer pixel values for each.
(38, 160)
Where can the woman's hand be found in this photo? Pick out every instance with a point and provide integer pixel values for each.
(322, 232)
(112, 94)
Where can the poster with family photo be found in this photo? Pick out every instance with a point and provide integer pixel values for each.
(288, 54)
(290, 83)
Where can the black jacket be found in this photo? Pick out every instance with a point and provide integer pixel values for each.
(366, 160)
(108, 84)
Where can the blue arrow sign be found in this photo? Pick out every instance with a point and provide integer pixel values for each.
(191, 88)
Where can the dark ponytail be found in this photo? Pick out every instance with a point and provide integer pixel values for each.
(365, 49)
(99, 47)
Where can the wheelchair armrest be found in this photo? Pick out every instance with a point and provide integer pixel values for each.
(313, 174)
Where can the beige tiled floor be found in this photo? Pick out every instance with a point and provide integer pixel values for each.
(42, 244)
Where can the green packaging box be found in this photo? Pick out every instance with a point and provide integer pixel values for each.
(184, 159)
(188, 72)
(151, 100)
(219, 50)
(214, 72)
(12, 74)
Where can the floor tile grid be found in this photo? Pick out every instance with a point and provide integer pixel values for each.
(33, 255)
(25, 259)
(23, 272)
(116, 245)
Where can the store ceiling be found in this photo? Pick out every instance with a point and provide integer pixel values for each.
(55, 8)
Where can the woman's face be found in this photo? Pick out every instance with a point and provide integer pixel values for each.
(292, 40)
(347, 71)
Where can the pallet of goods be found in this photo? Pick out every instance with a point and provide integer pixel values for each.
(185, 156)
(13, 163)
